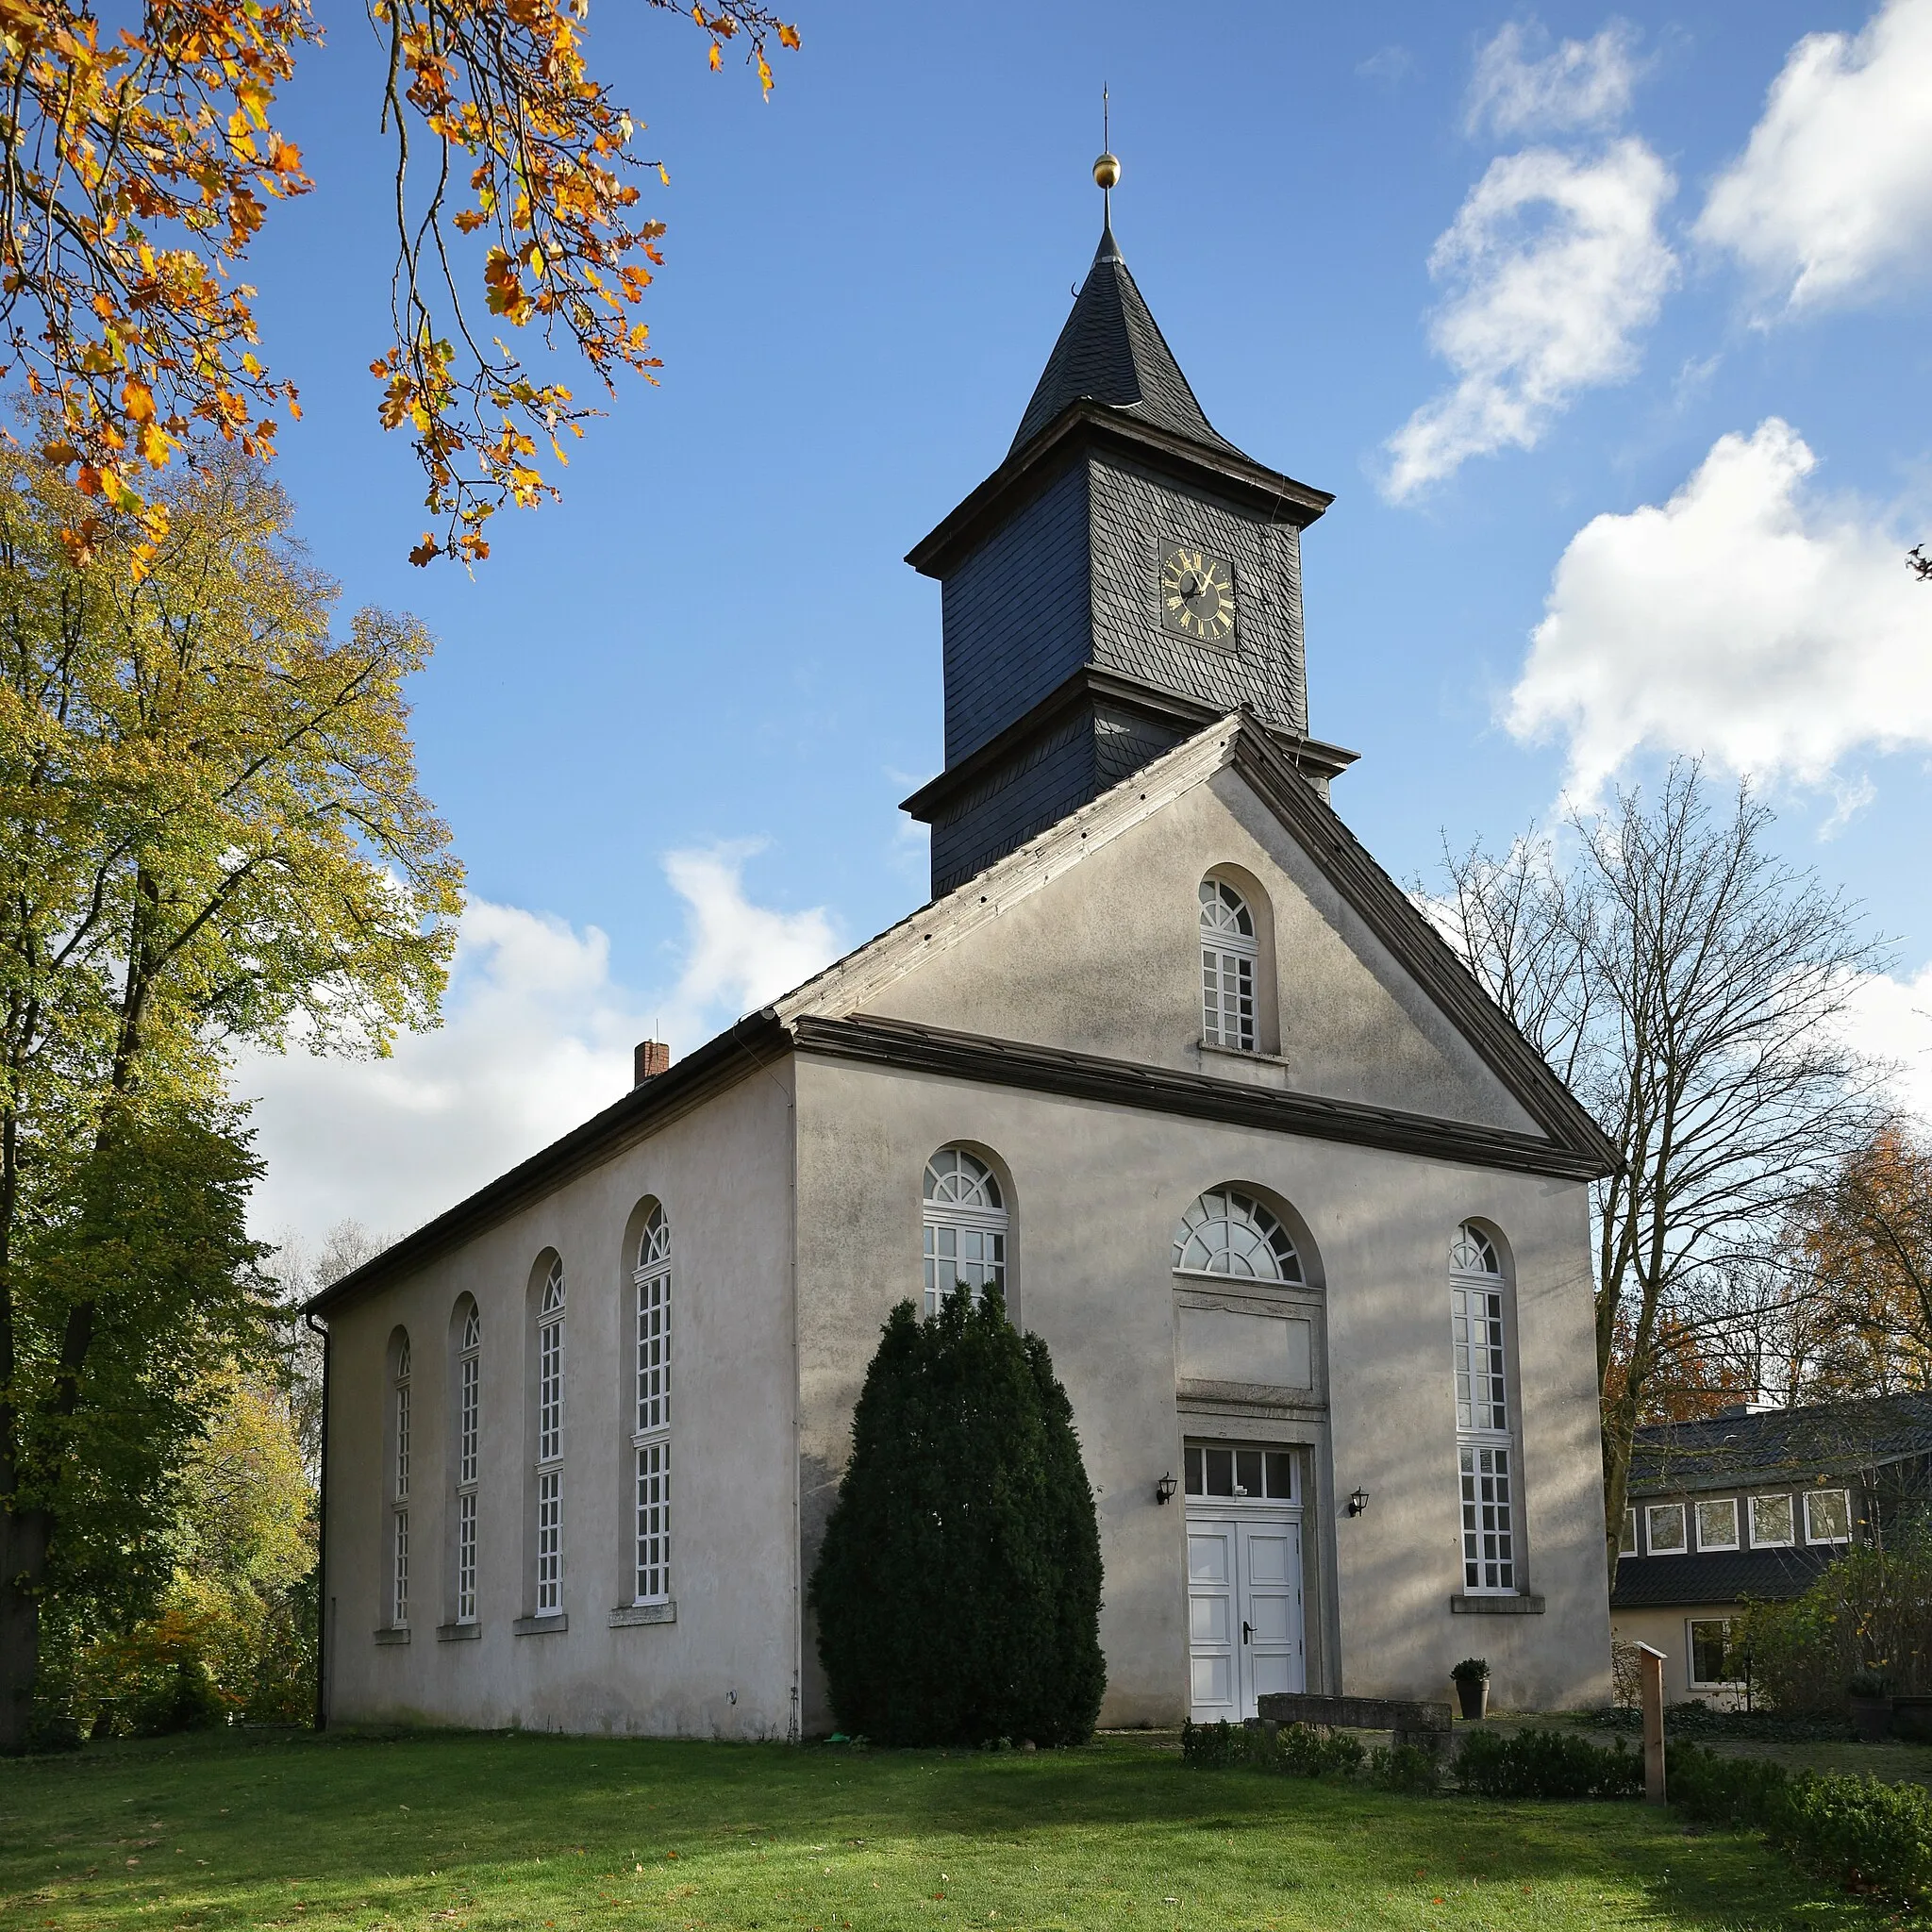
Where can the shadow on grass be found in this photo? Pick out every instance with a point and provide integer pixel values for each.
(223, 1829)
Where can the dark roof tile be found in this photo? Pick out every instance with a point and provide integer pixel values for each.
(1111, 350)
(1780, 1445)
(1728, 1577)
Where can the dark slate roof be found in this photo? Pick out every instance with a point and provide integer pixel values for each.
(1717, 1577)
(1780, 1445)
(1111, 350)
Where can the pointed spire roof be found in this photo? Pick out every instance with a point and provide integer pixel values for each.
(1111, 352)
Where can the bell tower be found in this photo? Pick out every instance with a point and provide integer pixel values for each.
(1125, 576)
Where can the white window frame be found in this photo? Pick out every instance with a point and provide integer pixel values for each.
(548, 1553)
(651, 1414)
(1789, 1540)
(1690, 1677)
(964, 1208)
(1628, 1547)
(399, 1493)
(1487, 1472)
(468, 1460)
(1230, 966)
(1704, 1503)
(1811, 1535)
(1227, 1235)
(1651, 1512)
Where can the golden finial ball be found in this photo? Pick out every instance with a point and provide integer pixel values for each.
(1107, 172)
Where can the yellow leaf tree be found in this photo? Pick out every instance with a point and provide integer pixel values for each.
(139, 166)
(211, 832)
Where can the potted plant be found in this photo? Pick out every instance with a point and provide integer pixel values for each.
(1870, 1700)
(1471, 1677)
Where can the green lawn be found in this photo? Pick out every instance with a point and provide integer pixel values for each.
(530, 1831)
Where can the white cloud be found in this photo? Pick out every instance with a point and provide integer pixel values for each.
(1833, 194)
(1557, 265)
(1580, 84)
(537, 1036)
(1890, 1020)
(1748, 620)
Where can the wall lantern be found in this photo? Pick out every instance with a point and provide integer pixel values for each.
(1164, 1488)
(1358, 1502)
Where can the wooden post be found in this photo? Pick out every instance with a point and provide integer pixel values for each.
(1651, 1662)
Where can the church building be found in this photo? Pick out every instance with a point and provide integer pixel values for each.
(1167, 1058)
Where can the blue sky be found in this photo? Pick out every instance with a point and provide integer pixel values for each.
(1607, 323)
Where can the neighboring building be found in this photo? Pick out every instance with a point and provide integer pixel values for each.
(1754, 1504)
(1168, 1059)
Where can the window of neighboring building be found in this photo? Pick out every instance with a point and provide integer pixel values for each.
(550, 1445)
(1827, 1516)
(399, 1489)
(469, 1423)
(1717, 1523)
(1663, 1528)
(1227, 1232)
(1709, 1644)
(1628, 1545)
(1772, 1522)
(1253, 1475)
(965, 1218)
(1230, 954)
(1485, 1450)
(651, 1439)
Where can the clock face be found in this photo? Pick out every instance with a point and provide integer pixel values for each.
(1196, 593)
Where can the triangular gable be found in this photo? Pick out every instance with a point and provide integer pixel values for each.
(861, 987)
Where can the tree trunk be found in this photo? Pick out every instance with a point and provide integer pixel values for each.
(23, 1573)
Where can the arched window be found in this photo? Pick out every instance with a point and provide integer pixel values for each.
(1229, 951)
(1484, 1445)
(469, 1423)
(965, 1228)
(1227, 1232)
(550, 1444)
(651, 1422)
(399, 1484)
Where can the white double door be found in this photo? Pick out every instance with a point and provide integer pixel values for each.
(1244, 1611)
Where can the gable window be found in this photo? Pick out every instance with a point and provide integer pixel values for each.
(1829, 1516)
(549, 1566)
(1772, 1522)
(965, 1220)
(1227, 1232)
(399, 1489)
(1229, 955)
(1663, 1530)
(469, 1423)
(650, 1421)
(1717, 1525)
(1485, 1448)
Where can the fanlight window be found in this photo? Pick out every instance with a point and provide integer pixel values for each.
(1473, 1252)
(965, 1228)
(1230, 1233)
(1228, 954)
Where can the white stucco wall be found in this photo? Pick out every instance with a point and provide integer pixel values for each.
(1104, 957)
(724, 1666)
(1097, 1193)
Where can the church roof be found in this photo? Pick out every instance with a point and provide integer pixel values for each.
(824, 1016)
(1111, 352)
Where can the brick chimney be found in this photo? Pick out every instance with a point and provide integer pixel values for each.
(653, 1057)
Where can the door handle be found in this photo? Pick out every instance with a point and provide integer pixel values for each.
(1246, 1630)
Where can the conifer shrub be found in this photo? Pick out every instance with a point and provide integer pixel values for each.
(957, 1590)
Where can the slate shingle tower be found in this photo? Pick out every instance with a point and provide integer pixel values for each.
(1124, 577)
